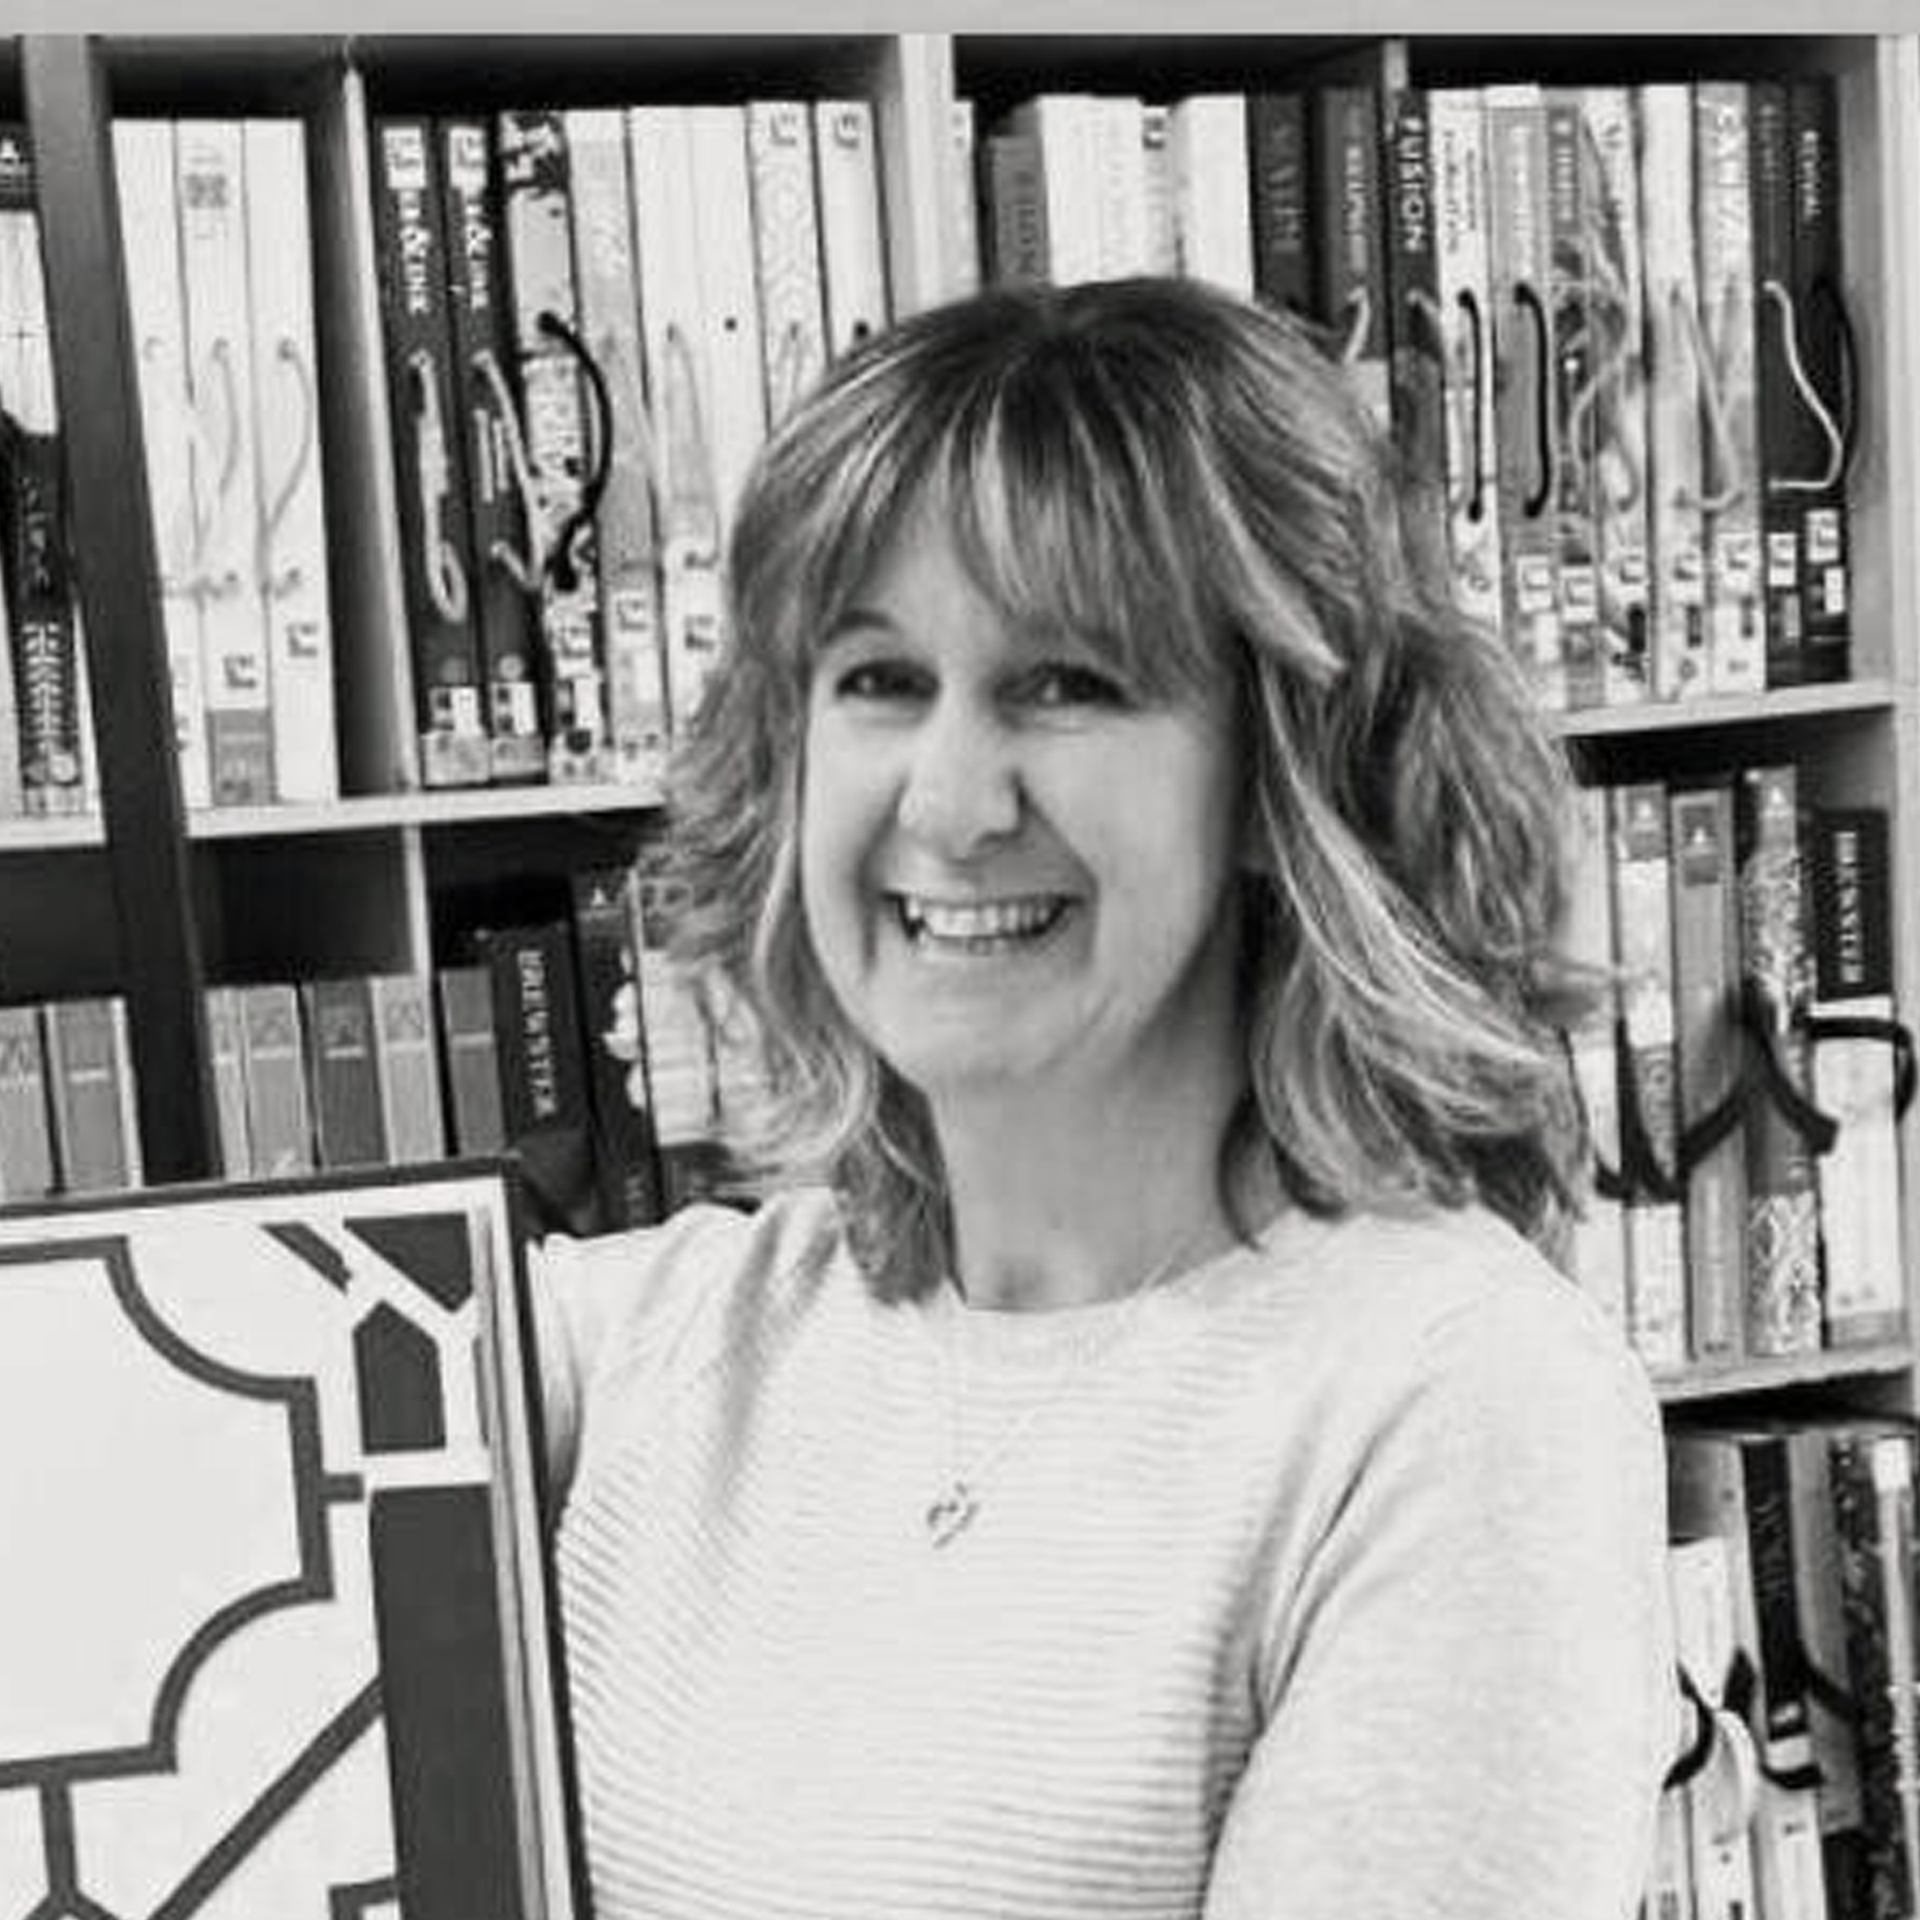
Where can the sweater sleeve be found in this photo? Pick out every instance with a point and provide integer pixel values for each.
(1468, 1695)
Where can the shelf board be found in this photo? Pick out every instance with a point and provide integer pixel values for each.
(382, 812)
(1727, 709)
(41, 835)
(1793, 1370)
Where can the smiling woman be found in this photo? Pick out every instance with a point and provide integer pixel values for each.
(1144, 881)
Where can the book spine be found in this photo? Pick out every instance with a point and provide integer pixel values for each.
(1669, 1894)
(1643, 937)
(42, 625)
(1788, 443)
(536, 221)
(623, 523)
(210, 159)
(156, 311)
(1523, 383)
(786, 243)
(1706, 967)
(1351, 255)
(406, 1071)
(13, 795)
(87, 1080)
(471, 1054)
(229, 1081)
(26, 1138)
(345, 1082)
(1723, 229)
(272, 1060)
(1826, 600)
(1849, 875)
(1018, 210)
(1280, 188)
(1783, 1214)
(1213, 207)
(1061, 126)
(492, 463)
(289, 574)
(963, 161)
(1120, 161)
(1574, 360)
(1616, 318)
(1678, 635)
(1873, 1527)
(1162, 216)
(1462, 270)
(606, 944)
(436, 558)
(1416, 346)
(852, 240)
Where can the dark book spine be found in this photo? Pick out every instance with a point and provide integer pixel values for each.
(341, 1073)
(1573, 413)
(436, 553)
(1417, 343)
(1350, 241)
(606, 942)
(1282, 224)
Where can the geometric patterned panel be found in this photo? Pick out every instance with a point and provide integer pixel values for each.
(256, 1661)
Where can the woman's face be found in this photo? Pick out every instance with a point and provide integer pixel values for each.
(1013, 868)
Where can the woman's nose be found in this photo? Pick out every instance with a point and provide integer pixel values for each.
(962, 786)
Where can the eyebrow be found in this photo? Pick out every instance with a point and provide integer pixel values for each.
(857, 620)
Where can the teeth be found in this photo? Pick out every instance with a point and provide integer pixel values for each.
(979, 920)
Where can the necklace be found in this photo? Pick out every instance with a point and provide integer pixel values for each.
(957, 1504)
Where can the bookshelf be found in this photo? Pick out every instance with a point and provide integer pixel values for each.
(373, 880)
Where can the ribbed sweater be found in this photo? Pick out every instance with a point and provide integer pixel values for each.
(1326, 1582)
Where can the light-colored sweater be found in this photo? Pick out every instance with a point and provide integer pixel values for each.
(1325, 1584)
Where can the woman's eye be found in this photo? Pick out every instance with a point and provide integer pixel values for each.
(878, 680)
(1063, 684)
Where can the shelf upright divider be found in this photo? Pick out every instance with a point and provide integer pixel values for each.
(95, 374)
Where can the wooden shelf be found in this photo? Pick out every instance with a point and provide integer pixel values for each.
(1729, 710)
(384, 812)
(1797, 1370)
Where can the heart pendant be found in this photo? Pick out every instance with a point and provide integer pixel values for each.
(952, 1513)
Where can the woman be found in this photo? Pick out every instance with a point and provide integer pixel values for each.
(1142, 1466)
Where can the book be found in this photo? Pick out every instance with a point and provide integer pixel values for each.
(536, 225)
(1723, 230)
(156, 313)
(429, 455)
(543, 1070)
(1212, 192)
(966, 264)
(1281, 186)
(224, 1055)
(337, 1015)
(1783, 1206)
(786, 244)
(13, 795)
(42, 615)
(1677, 636)
(210, 170)
(1616, 319)
(1064, 130)
(504, 582)
(1463, 285)
(1162, 237)
(1416, 343)
(406, 1069)
(1520, 262)
(470, 1052)
(606, 947)
(853, 250)
(1643, 952)
(96, 1132)
(1820, 328)
(289, 574)
(624, 534)
(26, 1137)
(301, 1596)
(1706, 987)
(1350, 251)
(274, 1074)
(1017, 209)
(1852, 1073)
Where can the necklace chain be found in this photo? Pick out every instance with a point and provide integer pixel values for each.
(957, 1505)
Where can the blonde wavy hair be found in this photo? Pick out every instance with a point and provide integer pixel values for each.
(1183, 481)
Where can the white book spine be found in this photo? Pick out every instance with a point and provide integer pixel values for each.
(964, 272)
(124, 1090)
(786, 244)
(210, 169)
(1456, 132)
(627, 547)
(1213, 194)
(1064, 125)
(150, 228)
(853, 242)
(290, 572)
(674, 338)
(1162, 217)
(1122, 155)
(406, 1068)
